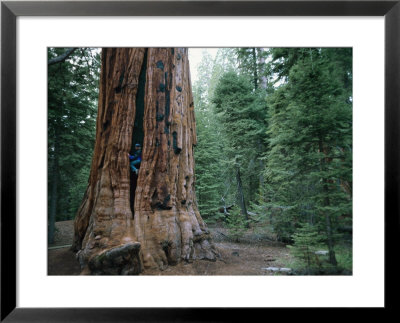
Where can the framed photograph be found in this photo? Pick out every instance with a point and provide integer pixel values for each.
(371, 29)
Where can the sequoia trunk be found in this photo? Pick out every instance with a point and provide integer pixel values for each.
(128, 222)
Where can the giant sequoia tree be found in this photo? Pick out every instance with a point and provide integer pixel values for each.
(126, 223)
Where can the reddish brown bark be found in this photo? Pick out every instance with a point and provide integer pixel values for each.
(165, 225)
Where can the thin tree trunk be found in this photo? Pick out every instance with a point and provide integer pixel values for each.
(255, 74)
(261, 172)
(165, 225)
(329, 231)
(242, 201)
(261, 66)
(54, 187)
(53, 199)
(332, 257)
(263, 85)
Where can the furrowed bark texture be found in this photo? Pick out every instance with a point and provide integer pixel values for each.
(165, 225)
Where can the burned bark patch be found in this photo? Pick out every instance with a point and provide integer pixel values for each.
(159, 117)
(177, 149)
(167, 247)
(167, 104)
(160, 65)
(118, 89)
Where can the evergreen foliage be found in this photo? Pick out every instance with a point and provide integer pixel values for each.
(210, 181)
(306, 242)
(241, 113)
(72, 110)
(236, 224)
(309, 162)
(292, 140)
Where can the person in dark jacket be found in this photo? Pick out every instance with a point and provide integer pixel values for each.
(136, 158)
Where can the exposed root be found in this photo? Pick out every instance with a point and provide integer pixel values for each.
(120, 260)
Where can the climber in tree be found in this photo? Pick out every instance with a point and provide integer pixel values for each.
(136, 158)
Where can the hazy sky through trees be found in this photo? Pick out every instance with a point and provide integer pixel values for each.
(195, 57)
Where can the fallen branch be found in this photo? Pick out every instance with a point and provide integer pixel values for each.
(222, 234)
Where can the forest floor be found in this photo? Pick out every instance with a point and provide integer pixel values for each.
(250, 256)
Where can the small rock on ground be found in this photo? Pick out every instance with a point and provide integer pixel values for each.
(277, 269)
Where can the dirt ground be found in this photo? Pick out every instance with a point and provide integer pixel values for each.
(250, 256)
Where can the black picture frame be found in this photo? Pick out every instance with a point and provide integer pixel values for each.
(10, 10)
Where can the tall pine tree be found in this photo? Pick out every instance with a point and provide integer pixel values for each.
(72, 110)
(309, 165)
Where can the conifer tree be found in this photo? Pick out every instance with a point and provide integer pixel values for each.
(214, 181)
(242, 116)
(72, 109)
(306, 242)
(208, 153)
(310, 143)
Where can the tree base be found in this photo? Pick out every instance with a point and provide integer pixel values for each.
(119, 260)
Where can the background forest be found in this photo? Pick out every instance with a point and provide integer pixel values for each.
(274, 153)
